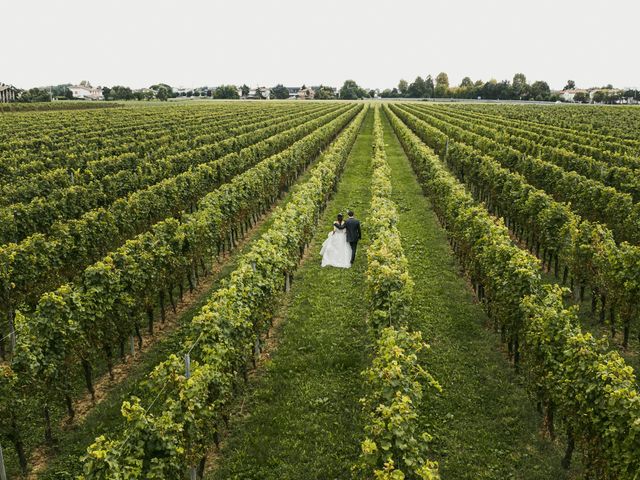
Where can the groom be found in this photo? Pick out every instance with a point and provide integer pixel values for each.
(353, 233)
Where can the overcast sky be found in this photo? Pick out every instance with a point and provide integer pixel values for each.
(375, 42)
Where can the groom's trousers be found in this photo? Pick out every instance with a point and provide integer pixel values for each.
(354, 246)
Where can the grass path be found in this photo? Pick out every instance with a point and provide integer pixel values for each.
(300, 418)
(484, 424)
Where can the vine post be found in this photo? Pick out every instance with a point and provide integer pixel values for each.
(187, 366)
(3, 473)
(187, 373)
(12, 328)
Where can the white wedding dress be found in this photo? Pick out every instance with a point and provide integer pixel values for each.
(336, 251)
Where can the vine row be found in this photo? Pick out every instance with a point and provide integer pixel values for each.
(393, 446)
(568, 371)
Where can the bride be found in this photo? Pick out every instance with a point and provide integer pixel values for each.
(336, 251)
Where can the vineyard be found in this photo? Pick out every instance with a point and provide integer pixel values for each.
(165, 315)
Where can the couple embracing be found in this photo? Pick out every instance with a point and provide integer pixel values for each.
(339, 249)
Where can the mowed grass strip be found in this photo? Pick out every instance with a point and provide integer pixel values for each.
(300, 417)
(484, 424)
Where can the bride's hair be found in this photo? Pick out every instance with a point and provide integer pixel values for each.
(340, 217)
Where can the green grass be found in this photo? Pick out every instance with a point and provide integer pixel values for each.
(484, 424)
(300, 417)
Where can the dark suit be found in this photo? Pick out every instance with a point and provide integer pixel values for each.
(353, 235)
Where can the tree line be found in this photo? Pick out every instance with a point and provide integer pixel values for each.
(439, 87)
(516, 89)
(163, 92)
(160, 91)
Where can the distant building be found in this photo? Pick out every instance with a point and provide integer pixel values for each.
(181, 91)
(258, 93)
(293, 91)
(86, 92)
(8, 93)
(568, 95)
(306, 93)
(612, 95)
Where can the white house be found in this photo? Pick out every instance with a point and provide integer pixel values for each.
(568, 95)
(8, 93)
(181, 91)
(86, 92)
(306, 93)
(264, 93)
(293, 91)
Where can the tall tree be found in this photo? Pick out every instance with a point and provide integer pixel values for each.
(280, 92)
(163, 93)
(390, 93)
(442, 85)
(466, 89)
(119, 92)
(61, 91)
(581, 97)
(403, 87)
(429, 87)
(325, 93)
(350, 90)
(496, 90)
(540, 90)
(466, 82)
(571, 85)
(35, 95)
(632, 94)
(418, 89)
(245, 90)
(520, 86)
(226, 92)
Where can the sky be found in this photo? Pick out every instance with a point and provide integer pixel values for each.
(194, 43)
